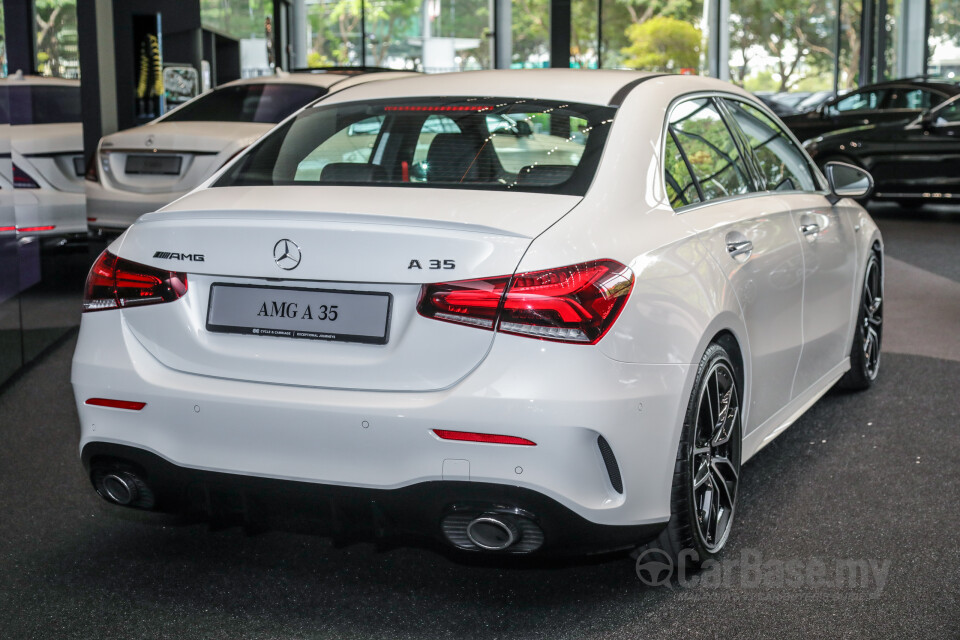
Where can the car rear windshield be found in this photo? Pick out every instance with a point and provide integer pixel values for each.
(33, 104)
(267, 103)
(454, 143)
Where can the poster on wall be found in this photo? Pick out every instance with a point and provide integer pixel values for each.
(181, 83)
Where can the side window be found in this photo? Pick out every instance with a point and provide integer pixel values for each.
(860, 101)
(903, 98)
(949, 114)
(783, 166)
(710, 150)
(680, 186)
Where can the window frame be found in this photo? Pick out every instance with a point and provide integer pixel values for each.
(755, 161)
(668, 130)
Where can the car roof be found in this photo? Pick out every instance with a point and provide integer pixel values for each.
(326, 79)
(588, 86)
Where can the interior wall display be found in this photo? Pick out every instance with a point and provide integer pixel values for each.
(150, 99)
(181, 82)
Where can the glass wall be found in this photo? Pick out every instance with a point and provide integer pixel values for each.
(783, 45)
(653, 36)
(851, 12)
(3, 46)
(422, 35)
(239, 19)
(531, 33)
(944, 39)
(57, 50)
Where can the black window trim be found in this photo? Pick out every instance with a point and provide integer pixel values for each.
(686, 163)
(701, 94)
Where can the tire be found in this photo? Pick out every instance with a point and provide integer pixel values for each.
(690, 527)
(868, 334)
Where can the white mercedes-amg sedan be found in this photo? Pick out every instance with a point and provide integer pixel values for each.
(139, 170)
(518, 311)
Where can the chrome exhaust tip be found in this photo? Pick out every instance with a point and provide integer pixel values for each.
(120, 488)
(492, 532)
(122, 485)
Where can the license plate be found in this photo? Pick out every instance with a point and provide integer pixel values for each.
(290, 312)
(153, 165)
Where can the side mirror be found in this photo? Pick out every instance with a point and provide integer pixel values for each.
(847, 181)
(524, 130)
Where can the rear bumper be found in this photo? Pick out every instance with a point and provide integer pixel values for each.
(64, 211)
(417, 510)
(562, 397)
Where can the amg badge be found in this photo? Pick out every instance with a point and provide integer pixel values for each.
(173, 255)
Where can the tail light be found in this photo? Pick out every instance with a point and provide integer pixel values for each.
(91, 173)
(115, 283)
(235, 154)
(576, 304)
(22, 180)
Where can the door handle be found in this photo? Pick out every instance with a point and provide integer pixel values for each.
(810, 229)
(739, 248)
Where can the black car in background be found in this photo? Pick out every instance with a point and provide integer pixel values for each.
(899, 101)
(913, 163)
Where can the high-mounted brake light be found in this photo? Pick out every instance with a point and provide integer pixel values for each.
(490, 438)
(116, 404)
(22, 180)
(117, 283)
(578, 303)
(470, 107)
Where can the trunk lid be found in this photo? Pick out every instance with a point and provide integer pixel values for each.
(53, 152)
(172, 156)
(371, 241)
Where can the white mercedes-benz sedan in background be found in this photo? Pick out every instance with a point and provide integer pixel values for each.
(41, 116)
(139, 170)
(519, 311)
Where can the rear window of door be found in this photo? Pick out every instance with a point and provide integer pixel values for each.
(707, 146)
(783, 166)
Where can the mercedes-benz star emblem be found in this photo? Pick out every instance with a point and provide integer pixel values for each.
(286, 254)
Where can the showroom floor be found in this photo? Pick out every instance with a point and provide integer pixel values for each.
(848, 526)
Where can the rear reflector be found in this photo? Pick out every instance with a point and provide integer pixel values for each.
(116, 404)
(117, 283)
(578, 303)
(49, 227)
(467, 436)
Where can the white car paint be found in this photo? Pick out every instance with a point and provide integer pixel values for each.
(117, 198)
(263, 406)
(46, 153)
